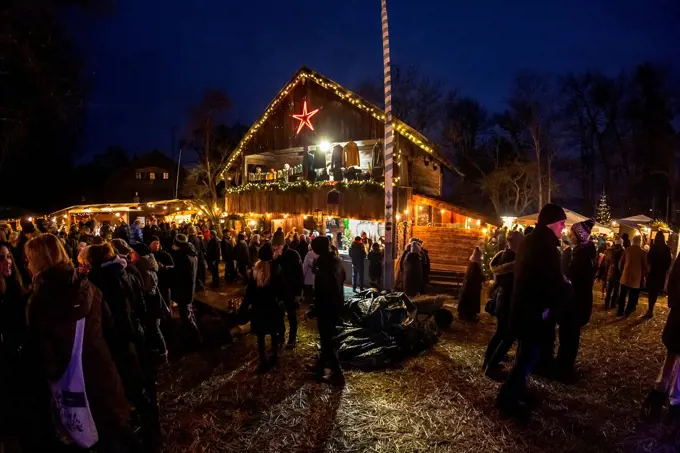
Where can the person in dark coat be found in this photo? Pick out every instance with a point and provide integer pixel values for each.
(287, 267)
(575, 313)
(626, 240)
(357, 252)
(227, 246)
(659, 261)
(262, 305)
(27, 232)
(213, 257)
(412, 274)
(242, 256)
(165, 271)
(58, 301)
(123, 232)
(538, 286)
(375, 266)
(503, 267)
(302, 247)
(612, 258)
(136, 234)
(667, 387)
(184, 286)
(199, 246)
(471, 295)
(253, 249)
(329, 299)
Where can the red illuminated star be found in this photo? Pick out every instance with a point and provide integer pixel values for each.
(305, 118)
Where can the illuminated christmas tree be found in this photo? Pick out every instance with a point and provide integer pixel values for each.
(603, 215)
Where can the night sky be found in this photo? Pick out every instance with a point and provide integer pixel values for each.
(151, 59)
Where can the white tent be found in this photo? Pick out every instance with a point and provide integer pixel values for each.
(641, 219)
(572, 218)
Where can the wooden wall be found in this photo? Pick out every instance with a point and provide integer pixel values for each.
(449, 248)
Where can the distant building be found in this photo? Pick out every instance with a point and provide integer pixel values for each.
(150, 177)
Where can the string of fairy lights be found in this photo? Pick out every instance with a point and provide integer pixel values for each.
(405, 130)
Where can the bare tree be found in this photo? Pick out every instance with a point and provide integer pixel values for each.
(212, 144)
(512, 188)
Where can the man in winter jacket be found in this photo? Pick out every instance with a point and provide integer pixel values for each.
(197, 242)
(668, 383)
(288, 267)
(213, 257)
(242, 256)
(659, 259)
(613, 258)
(538, 286)
(329, 299)
(186, 262)
(357, 252)
(634, 265)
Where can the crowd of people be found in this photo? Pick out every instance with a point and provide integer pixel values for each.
(543, 285)
(85, 312)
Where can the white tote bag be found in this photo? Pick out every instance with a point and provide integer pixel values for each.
(70, 397)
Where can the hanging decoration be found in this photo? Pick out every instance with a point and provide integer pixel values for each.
(305, 118)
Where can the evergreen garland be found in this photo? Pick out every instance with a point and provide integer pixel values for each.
(306, 186)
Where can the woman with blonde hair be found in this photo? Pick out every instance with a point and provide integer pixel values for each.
(66, 319)
(262, 306)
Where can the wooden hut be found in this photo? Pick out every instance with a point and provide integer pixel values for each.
(314, 160)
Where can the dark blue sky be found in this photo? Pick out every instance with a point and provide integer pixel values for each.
(153, 58)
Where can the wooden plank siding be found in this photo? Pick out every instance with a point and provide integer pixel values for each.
(449, 248)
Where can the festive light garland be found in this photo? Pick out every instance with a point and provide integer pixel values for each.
(305, 186)
(405, 130)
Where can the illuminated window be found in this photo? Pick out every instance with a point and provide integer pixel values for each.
(166, 175)
(152, 175)
(138, 175)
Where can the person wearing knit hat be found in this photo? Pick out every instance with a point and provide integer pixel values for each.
(538, 290)
(141, 249)
(122, 247)
(261, 304)
(577, 310)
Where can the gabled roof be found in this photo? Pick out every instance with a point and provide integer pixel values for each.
(400, 127)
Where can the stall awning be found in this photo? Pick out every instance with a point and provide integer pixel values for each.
(572, 218)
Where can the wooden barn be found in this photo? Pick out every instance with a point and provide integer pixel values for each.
(315, 160)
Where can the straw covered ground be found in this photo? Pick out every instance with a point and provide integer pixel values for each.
(212, 401)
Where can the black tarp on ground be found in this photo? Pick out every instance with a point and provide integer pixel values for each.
(382, 330)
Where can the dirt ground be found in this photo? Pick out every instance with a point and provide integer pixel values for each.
(212, 401)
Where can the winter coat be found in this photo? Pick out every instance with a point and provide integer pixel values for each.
(213, 251)
(302, 249)
(154, 302)
(581, 273)
(671, 331)
(357, 252)
(184, 281)
(613, 259)
(165, 273)
(58, 301)
(19, 254)
(503, 267)
(253, 249)
(659, 260)
(329, 287)
(262, 307)
(375, 264)
(471, 294)
(136, 236)
(538, 286)
(412, 274)
(308, 268)
(565, 259)
(227, 249)
(288, 268)
(197, 242)
(634, 266)
(241, 253)
(122, 294)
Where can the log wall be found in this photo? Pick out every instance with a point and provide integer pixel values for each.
(449, 248)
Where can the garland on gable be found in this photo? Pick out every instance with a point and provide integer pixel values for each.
(302, 187)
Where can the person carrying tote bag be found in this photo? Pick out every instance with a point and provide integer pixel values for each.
(67, 323)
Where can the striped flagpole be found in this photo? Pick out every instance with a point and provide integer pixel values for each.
(388, 272)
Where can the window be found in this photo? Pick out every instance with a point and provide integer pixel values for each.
(152, 176)
(166, 175)
(138, 175)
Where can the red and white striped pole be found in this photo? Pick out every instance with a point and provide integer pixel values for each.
(388, 271)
